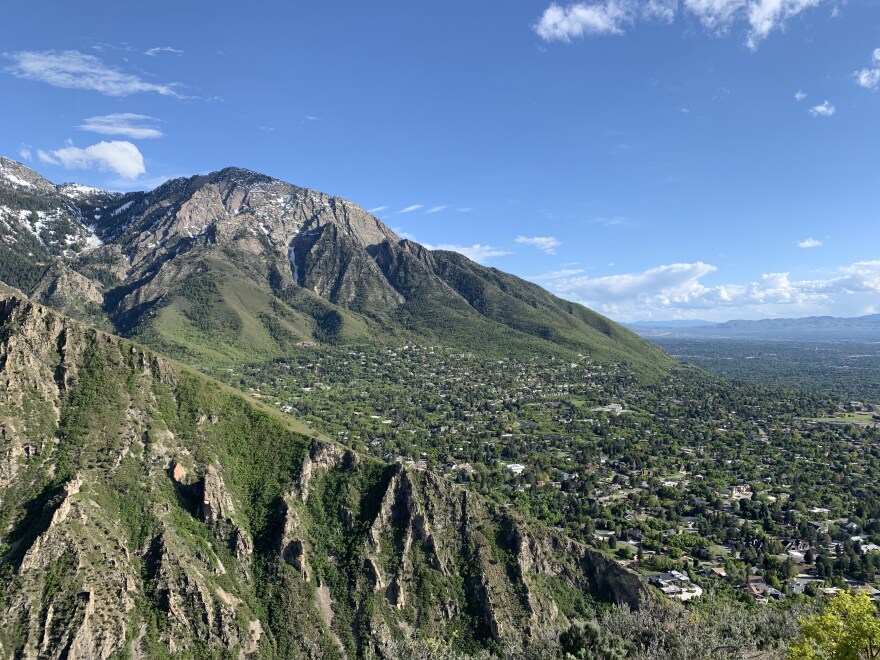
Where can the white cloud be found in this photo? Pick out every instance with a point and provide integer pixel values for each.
(25, 153)
(559, 23)
(677, 289)
(71, 69)
(661, 10)
(615, 221)
(869, 78)
(46, 157)
(809, 243)
(768, 15)
(673, 281)
(800, 95)
(163, 49)
(411, 208)
(759, 17)
(716, 15)
(117, 156)
(557, 274)
(376, 209)
(464, 210)
(547, 244)
(437, 209)
(126, 124)
(476, 252)
(824, 109)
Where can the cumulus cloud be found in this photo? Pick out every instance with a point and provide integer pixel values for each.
(411, 208)
(759, 17)
(559, 23)
(673, 282)
(546, 244)
(824, 109)
(116, 156)
(809, 243)
(25, 153)
(800, 96)
(476, 252)
(677, 289)
(869, 78)
(72, 69)
(125, 124)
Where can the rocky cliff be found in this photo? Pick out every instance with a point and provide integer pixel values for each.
(148, 511)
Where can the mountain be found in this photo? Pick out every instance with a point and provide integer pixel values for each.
(811, 328)
(237, 266)
(148, 511)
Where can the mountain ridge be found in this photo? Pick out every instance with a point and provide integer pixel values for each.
(236, 263)
(149, 511)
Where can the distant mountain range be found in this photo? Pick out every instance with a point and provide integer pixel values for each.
(236, 266)
(811, 328)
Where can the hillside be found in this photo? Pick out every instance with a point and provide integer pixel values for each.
(148, 511)
(236, 266)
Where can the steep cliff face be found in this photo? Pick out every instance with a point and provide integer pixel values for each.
(149, 511)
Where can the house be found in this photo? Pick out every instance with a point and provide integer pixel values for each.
(740, 492)
(514, 468)
(676, 584)
(634, 536)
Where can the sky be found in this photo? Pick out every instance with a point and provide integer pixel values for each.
(658, 159)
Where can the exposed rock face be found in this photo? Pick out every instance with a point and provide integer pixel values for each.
(216, 502)
(115, 548)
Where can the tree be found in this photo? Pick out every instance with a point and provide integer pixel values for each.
(846, 629)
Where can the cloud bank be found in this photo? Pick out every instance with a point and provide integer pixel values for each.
(613, 17)
(676, 289)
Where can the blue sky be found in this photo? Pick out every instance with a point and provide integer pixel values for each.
(696, 159)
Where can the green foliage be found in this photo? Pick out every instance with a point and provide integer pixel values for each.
(207, 308)
(848, 628)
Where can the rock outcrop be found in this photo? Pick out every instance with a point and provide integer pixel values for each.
(114, 545)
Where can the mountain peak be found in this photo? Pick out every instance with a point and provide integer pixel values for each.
(21, 176)
(241, 176)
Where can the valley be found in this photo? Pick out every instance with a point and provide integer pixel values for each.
(691, 474)
(249, 398)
